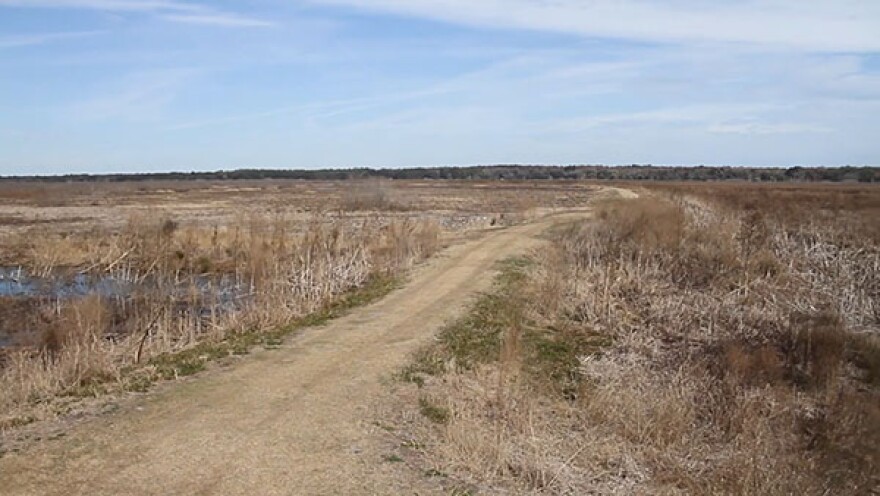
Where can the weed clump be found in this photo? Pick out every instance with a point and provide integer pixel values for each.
(433, 412)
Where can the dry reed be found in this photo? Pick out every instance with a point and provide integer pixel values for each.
(719, 347)
(187, 285)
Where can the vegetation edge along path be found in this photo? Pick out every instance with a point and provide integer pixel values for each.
(190, 361)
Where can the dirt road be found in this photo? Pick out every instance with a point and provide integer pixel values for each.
(289, 421)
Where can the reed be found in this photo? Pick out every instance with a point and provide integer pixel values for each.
(690, 341)
(186, 285)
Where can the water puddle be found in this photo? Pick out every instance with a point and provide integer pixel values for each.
(203, 296)
(15, 282)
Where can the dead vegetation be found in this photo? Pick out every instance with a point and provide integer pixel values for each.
(369, 195)
(161, 299)
(153, 279)
(708, 341)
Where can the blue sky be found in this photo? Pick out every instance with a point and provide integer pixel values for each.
(149, 85)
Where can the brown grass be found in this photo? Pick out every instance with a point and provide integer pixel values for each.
(722, 344)
(279, 272)
(370, 195)
(288, 247)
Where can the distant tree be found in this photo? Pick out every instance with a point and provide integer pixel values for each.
(867, 175)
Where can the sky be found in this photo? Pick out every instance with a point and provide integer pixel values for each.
(101, 86)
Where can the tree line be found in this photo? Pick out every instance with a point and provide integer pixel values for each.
(504, 172)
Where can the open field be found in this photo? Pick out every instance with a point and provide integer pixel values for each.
(319, 384)
(293, 421)
(108, 288)
(440, 247)
(701, 339)
(79, 206)
(675, 338)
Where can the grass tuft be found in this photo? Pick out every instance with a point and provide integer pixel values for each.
(433, 412)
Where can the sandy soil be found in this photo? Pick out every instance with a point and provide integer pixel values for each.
(288, 421)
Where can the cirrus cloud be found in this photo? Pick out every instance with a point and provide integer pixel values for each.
(42, 38)
(168, 10)
(813, 25)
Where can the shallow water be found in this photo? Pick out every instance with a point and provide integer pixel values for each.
(16, 282)
(202, 294)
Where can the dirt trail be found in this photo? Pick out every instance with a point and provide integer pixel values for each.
(289, 421)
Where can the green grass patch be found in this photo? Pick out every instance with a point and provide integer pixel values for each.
(550, 355)
(93, 384)
(513, 271)
(433, 412)
(137, 382)
(475, 338)
(183, 363)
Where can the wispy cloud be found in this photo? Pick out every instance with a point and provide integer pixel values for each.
(315, 110)
(218, 20)
(169, 10)
(815, 25)
(42, 38)
(680, 115)
(108, 5)
(401, 83)
(467, 82)
(140, 97)
(758, 128)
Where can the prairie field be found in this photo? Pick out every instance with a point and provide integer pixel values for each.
(704, 338)
(439, 247)
(638, 338)
(110, 287)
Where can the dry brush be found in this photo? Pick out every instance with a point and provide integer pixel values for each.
(159, 298)
(678, 344)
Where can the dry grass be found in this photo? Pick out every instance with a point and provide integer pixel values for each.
(693, 343)
(189, 288)
(209, 265)
(370, 195)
